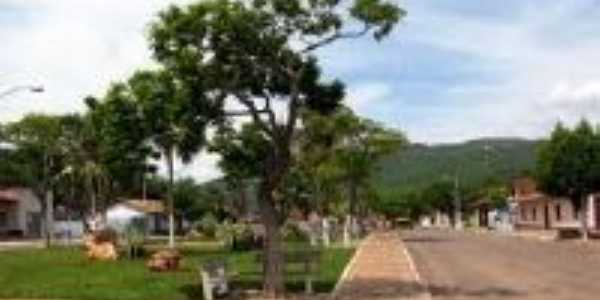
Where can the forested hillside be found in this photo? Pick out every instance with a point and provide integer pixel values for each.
(474, 161)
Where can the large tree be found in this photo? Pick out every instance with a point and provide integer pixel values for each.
(568, 165)
(261, 53)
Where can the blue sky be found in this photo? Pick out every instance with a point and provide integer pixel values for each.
(452, 71)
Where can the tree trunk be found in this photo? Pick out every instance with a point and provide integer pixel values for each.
(49, 228)
(170, 200)
(273, 285)
(90, 184)
(273, 262)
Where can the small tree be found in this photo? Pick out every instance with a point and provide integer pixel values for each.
(568, 165)
(439, 195)
(115, 143)
(83, 164)
(361, 145)
(38, 138)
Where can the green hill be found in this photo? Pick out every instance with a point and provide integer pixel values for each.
(474, 161)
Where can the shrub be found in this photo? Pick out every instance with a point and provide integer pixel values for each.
(293, 233)
(246, 240)
(208, 225)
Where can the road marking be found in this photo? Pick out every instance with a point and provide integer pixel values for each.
(413, 269)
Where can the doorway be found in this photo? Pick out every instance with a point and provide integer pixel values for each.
(546, 216)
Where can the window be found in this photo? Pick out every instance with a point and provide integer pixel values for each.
(534, 214)
(523, 214)
(558, 212)
(3, 219)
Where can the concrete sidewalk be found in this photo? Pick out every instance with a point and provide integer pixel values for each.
(381, 269)
(24, 244)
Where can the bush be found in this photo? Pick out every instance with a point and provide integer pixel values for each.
(293, 233)
(239, 237)
(208, 225)
(246, 240)
(134, 235)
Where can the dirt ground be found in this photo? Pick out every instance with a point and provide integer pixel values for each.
(470, 266)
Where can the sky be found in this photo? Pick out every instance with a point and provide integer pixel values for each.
(450, 72)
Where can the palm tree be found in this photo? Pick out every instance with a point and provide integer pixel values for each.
(173, 124)
(83, 157)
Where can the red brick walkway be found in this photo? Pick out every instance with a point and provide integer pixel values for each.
(381, 270)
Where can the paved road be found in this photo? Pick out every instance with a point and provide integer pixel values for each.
(483, 266)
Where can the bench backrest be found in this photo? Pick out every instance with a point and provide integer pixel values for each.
(214, 268)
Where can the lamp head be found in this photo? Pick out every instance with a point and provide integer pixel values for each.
(37, 89)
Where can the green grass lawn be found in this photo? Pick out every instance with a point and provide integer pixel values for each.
(66, 274)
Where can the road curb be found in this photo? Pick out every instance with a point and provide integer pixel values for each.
(426, 293)
(346, 273)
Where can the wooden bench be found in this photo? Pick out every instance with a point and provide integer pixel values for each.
(302, 262)
(216, 277)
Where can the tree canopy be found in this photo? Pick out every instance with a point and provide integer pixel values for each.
(569, 164)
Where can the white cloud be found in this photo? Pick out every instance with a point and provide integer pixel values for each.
(544, 70)
(75, 48)
(541, 69)
(361, 96)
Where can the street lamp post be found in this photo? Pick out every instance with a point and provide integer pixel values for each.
(458, 224)
(12, 90)
(30, 88)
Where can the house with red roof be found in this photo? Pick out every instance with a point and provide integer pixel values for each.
(537, 210)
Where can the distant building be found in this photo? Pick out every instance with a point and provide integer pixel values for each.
(152, 213)
(537, 210)
(437, 219)
(20, 213)
(484, 214)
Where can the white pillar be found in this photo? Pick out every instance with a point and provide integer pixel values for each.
(325, 229)
(347, 224)
(591, 209)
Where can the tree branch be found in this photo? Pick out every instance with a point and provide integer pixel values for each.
(337, 36)
(255, 113)
(244, 113)
(269, 111)
(294, 103)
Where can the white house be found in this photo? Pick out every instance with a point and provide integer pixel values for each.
(436, 219)
(152, 213)
(20, 213)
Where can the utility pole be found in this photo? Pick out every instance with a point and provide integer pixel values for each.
(30, 88)
(458, 224)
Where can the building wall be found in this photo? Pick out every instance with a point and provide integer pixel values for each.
(593, 216)
(20, 213)
(9, 217)
(532, 214)
(29, 207)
